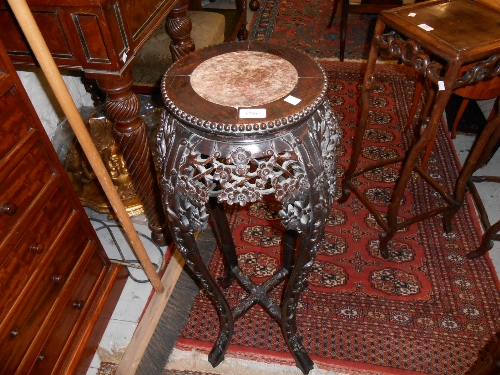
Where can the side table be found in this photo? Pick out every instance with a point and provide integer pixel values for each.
(436, 38)
(245, 120)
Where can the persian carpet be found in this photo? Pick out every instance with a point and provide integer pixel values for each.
(303, 24)
(426, 310)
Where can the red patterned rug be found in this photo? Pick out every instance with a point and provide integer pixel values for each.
(303, 24)
(426, 310)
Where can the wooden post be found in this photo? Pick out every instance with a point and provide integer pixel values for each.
(49, 68)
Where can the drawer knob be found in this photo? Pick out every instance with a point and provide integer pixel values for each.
(56, 279)
(14, 332)
(8, 209)
(78, 305)
(41, 356)
(37, 248)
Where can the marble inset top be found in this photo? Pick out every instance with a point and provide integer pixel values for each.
(244, 79)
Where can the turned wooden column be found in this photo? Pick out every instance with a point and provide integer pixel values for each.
(178, 28)
(122, 107)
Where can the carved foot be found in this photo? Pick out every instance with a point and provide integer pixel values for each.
(447, 226)
(486, 243)
(481, 250)
(384, 245)
(303, 361)
(216, 355)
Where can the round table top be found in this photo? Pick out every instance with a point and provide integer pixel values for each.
(244, 87)
(244, 78)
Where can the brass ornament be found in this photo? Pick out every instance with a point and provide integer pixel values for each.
(84, 179)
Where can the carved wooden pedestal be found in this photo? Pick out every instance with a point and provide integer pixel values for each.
(245, 120)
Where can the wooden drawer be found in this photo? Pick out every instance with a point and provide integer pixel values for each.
(72, 316)
(28, 177)
(13, 127)
(20, 327)
(28, 253)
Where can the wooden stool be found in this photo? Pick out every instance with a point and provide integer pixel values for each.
(436, 38)
(245, 120)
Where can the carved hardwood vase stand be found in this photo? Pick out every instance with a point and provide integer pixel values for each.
(245, 120)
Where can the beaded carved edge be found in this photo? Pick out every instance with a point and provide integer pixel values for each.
(244, 128)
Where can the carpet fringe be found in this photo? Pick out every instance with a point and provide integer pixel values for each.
(196, 361)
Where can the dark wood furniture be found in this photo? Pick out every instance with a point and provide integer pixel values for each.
(359, 7)
(58, 288)
(215, 146)
(101, 38)
(478, 155)
(437, 41)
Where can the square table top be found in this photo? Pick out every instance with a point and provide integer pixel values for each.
(463, 29)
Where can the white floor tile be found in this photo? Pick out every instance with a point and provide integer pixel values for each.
(117, 335)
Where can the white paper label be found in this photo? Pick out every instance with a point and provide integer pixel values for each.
(253, 113)
(425, 27)
(412, 14)
(124, 57)
(292, 100)
(441, 85)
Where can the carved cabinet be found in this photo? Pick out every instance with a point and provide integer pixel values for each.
(57, 286)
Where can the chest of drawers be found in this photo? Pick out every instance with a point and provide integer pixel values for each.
(57, 286)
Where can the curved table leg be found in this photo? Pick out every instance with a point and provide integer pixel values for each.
(183, 233)
(122, 107)
(224, 239)
(483, 146)
(365, 108)
(486, 242)
(304, 214)
(428, 135)
(296, 284)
